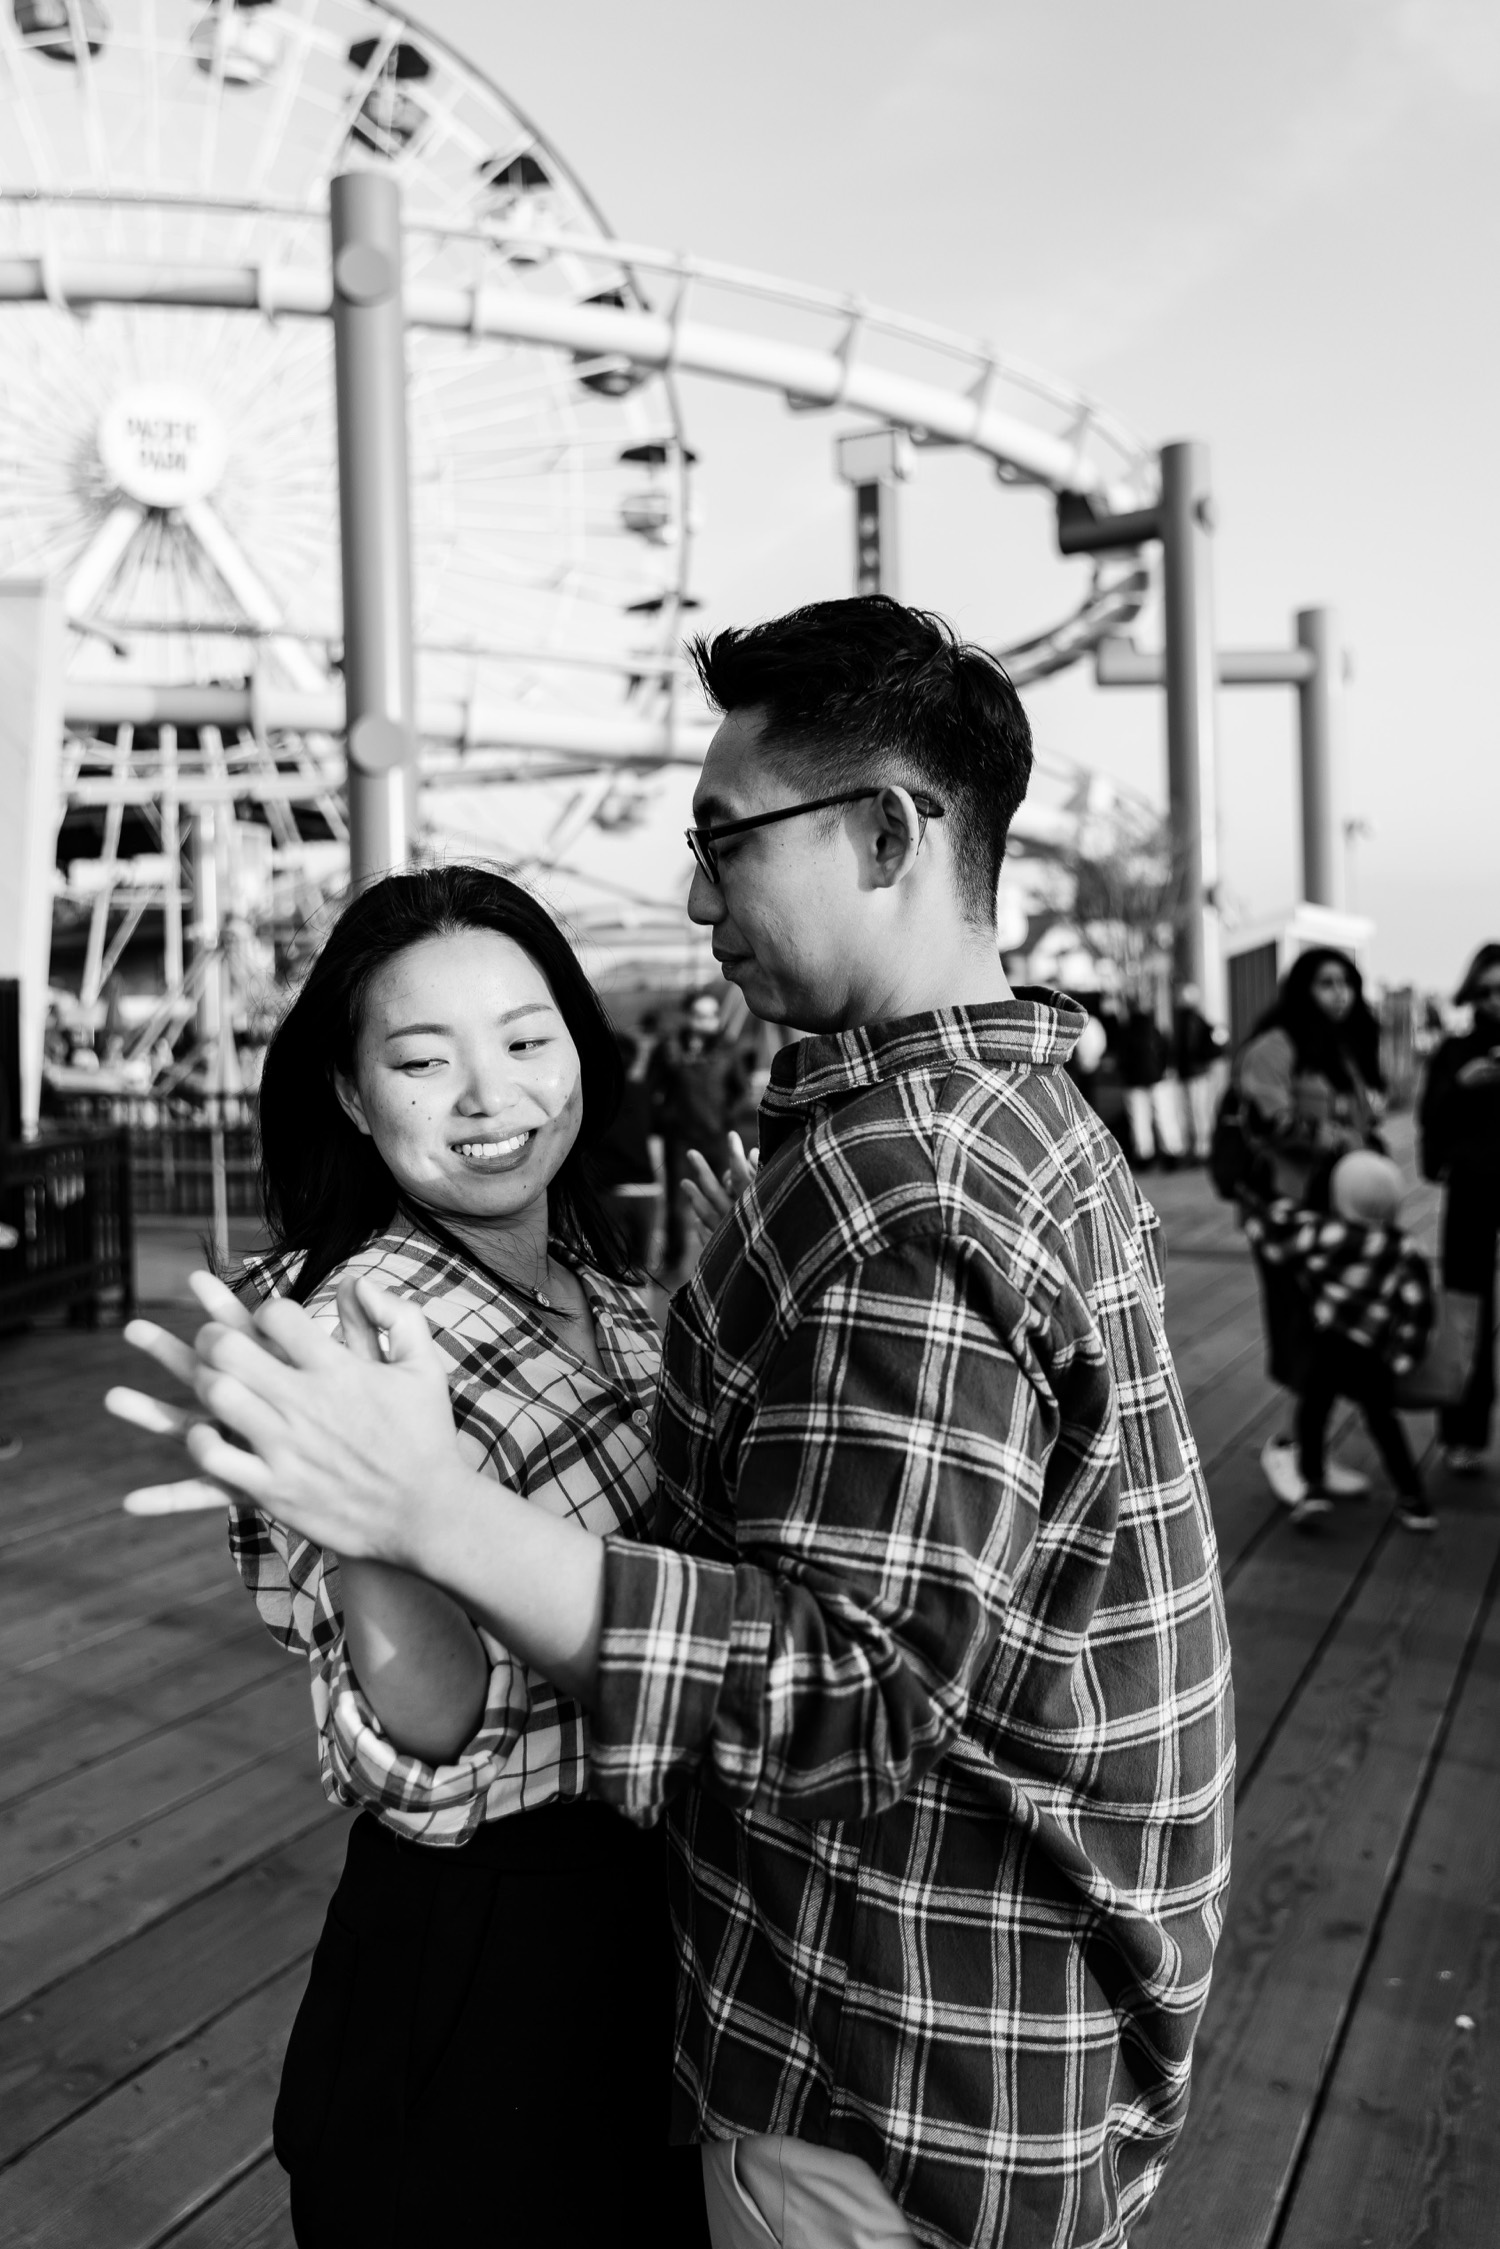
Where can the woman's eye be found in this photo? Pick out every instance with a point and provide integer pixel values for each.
(526, 1046)
(420, 1065)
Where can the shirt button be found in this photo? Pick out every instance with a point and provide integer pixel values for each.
(641, 1419)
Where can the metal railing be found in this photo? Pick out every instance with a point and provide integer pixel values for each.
(68, 1197)
(191, 1156)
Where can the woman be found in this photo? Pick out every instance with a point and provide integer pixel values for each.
(1459, 1120)
(1310, 1082)
(484, 2047)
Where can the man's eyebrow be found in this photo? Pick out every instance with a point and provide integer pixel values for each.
(709, 809)
(445, 1030)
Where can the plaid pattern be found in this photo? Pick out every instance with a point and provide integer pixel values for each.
(931, 1670)
(535, 1417)
(1362, 1282)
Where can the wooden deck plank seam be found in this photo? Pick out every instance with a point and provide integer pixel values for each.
(140, 2062)
(136, 1741)
(220, 1590)
(216, 2193)
(164, 1810)
(234, 1873)
(1286, 2193)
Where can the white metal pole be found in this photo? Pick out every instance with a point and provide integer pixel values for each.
(370, 386)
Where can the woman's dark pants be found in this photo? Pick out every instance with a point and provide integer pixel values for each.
(1336, 1368)
(1471, 1222)
(483, 2052)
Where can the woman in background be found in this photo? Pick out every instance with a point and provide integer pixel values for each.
(1459, 1119)
(1310, 1080)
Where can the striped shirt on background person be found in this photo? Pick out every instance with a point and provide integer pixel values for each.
(930, 1671)
(530, 1413)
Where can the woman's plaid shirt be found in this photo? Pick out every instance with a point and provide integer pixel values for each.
(530, 1413)
(930, 1666)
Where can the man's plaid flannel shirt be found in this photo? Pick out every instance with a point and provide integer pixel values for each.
(1365, 1283)
(530, 1413)
(930, 1670)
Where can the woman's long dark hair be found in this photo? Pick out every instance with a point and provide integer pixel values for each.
(325, 1187)
(1487, 957)
(1319, 1043)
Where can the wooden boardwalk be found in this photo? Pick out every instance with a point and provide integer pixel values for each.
(165, 1854)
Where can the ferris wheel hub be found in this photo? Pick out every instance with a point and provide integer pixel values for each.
(162, 444)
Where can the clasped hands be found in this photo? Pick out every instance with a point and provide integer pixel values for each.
(344, 1443)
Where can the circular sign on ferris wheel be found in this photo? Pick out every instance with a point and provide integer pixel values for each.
(162, 444)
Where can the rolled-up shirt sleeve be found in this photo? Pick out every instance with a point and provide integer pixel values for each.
(887, 1493)
(362, 1767)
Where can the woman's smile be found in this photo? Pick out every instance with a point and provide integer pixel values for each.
(489, 1154)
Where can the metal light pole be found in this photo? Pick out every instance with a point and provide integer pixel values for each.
(369, 356)
(1192, 744)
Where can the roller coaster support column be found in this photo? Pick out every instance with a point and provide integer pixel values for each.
(874, 462)
(1312, 666)
(1183, 522)
(1192, 744)
(369, 349)
(1321, 864)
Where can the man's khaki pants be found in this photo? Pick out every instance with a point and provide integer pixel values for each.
(775, 2190)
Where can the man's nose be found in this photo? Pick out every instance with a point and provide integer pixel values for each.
(705, 899)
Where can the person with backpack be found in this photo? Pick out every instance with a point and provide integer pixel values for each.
(1368, 1296)
(1459, 1121)
(1305, 1088)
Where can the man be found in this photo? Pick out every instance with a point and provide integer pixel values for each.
(928, 1670)
(1150, 1101)
(1196, 1047)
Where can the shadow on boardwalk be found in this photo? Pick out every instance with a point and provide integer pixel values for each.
(167, 1854)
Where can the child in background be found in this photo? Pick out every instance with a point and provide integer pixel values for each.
(1370, 1296)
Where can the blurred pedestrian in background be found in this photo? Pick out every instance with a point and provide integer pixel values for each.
(694, 1078)
(623, 1170)
(1195, 1049)
(1310, 1089)
(1459, 1120)
(1368, 1296)
(1151, 1103)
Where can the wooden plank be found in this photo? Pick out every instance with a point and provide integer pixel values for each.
(125, 1638)
(253, 2214)
(53, 1926)
(84, 1730)
(81, 1813)
(54, 1626)
(1317, 1836)
(73, 2043)
(155, 2151)
(1405, 2148)
(53, 1721)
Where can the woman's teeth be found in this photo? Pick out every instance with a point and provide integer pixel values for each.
(490, 1151)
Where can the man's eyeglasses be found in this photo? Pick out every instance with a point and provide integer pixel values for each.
(703, 842)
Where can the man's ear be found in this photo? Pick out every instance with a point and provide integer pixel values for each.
(896, 836)
(347, 1094)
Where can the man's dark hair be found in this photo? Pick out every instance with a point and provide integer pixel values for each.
(868, 690)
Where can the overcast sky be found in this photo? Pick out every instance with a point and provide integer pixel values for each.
(1272, 228)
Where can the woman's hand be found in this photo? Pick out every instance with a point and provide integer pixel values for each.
(1484, 1070)
(345, 1451)
(710, 1200)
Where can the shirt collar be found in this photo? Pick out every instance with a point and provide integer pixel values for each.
(1037, 1029)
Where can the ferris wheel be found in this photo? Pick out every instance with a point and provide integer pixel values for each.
(175, 468)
